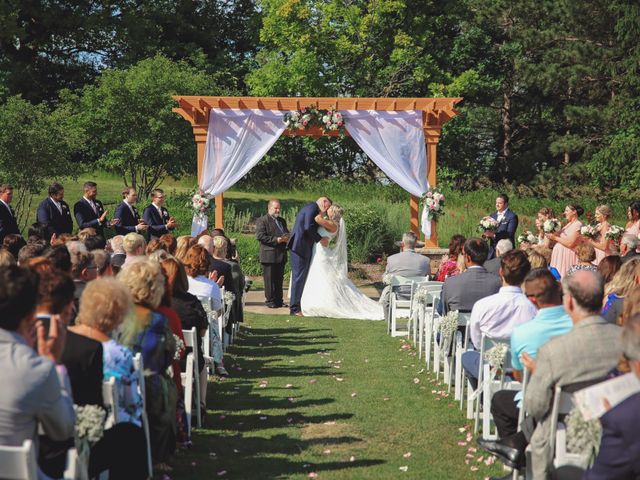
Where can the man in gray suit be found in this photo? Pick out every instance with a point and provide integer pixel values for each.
(586, 353)
(503, 246)
(461, 292)
(407, 263)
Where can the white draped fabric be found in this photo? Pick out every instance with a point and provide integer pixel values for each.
(238, 139)
(395, 143)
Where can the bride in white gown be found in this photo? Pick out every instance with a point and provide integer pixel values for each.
(328, 292)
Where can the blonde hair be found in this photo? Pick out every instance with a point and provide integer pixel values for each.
(220, 246)
(145, 282)
(586, 253)
(335, 212)
(104, 304)
(536, 259)
(132, 242)
(623, 281)
(631, 304)
(183, 244)
(604, 210)
(6, 258)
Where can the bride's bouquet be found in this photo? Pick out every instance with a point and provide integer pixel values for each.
(527, 237)
(434, 201)
(487, 224)
(589, 231)
(614, 233)
(551, 225)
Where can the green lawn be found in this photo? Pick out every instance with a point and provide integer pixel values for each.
(334, 398)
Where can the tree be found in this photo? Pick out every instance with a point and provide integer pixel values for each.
(131, 128)
(36, 144)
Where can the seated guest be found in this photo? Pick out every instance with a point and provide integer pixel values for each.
(407, 263)
(6, 258)
(95, 242)
(59, 257)
(550, 321)
(103, 263)
(202, 283)
(608, 267)
(157, 217)
(620, 443)
(126, 214)
(122, 449)
(13, 243)
(133, 245)
(169, 244)
(497, 315)
(36, 391)
(449, 266)
(586, 255)
(83, 270)
(585, 353)
(628, 247)
(502, 247)
(238, 277)
(31, 250)
(147, 331)
(563, 254)
(631, 304)
(53, 212)
(118, 254)
(507, 224)
(618, 288)
(217, 260)
(183, 244)
(153, 245)
(462, 291)
(37, 233)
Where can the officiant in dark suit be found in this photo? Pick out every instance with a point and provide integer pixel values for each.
(127, 214)
(8, 223)
(90, 212)
(157, 217)
(53, 212)
(507, 224)
(273, 235)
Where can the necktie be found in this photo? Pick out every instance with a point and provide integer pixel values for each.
(277, 220)
(95, 209)
(58, 206)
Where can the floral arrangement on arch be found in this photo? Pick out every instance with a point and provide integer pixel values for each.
(329, 120)
(434, 201)
(200, 203)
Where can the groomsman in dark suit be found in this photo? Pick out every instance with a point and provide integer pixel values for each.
(90, 212)
(273, 235)
(8, 223)
(507, 224)
(53, 212)
(157, 217)
(127, 214)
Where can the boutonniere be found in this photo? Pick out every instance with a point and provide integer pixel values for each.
(64, 207)
(165, 214)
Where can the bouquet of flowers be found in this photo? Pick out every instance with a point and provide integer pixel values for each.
(434, 200)
(332, 120)
(583, 436)
(589, 231)
(551, 225)
(200, 202)
(615, 233)
(527, 237)
(449, 324)
(486, 224)
(90, 423)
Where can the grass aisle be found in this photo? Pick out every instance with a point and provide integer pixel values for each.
(328, 399)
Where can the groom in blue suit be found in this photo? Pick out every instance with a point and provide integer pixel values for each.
(301, 241)
(507, 224)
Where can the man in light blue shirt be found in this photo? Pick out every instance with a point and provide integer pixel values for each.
(551, 321)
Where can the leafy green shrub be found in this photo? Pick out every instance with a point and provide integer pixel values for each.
(368, 230)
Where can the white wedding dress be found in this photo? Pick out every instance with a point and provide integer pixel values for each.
(328, 292)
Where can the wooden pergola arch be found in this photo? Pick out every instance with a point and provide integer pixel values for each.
(435, 113)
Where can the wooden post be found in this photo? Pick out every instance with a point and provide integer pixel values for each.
(432, 137)
(414, 210)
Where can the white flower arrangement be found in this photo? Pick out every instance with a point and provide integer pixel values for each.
(487, 224)
(421, 294)
(496, 355)
(583, 436)
(329, 120)
(332, 121)
(180, 346)
(386, 279)
(207, 309)
(449, 324)
(434, 201)
(90, 423)
(527, 237)
(589, 231)
(614, 233)
(200, 203)
(551, 225)
(229, 298)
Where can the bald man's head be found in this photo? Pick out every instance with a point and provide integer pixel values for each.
(586, 288)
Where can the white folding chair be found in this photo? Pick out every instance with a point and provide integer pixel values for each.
(226, 314)
(400, 307)
(429, 325)
(138, 366)
(462, 345)
(215, 322)
(110, 400)
(19, 463)
(190, 378)
(421, 310)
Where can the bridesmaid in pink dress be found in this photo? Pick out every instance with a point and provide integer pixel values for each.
(633, 214)
(563, 254)
(603, 247)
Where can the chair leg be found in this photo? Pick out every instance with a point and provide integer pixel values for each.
(458, 374)
(188, 393)
(470, 402)
(196, 382)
